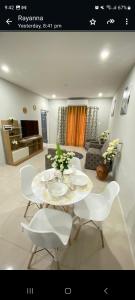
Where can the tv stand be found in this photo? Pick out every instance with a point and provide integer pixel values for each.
(34, 143)
(25, 147)
(34, 137)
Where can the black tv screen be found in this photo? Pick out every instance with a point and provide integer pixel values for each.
(29, 128)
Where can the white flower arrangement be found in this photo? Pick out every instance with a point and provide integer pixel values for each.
(104, 135)
(14, 142)
(11, 119)
(61, 160)
(111, 151)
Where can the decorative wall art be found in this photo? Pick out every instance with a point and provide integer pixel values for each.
(34, 107)
(25, 110)
(125, 101)
(113, 107)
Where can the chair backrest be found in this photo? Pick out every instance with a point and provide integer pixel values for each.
(27, 174)
(43, 239)
(52, 151)
(111, 191)
(75, 162)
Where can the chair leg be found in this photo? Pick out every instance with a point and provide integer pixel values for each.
(31, 257)
(49, 252)
(58, 265)
(95, 224)
(34, 251)
(69, 242)
(66, 209)
(101, 233)
(75, 218)
(77, 232)
(27, 209)
(56, 259)
(102, 237)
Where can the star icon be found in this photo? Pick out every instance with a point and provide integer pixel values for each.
(92, 22)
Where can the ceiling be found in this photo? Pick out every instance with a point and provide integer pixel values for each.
(67, 64)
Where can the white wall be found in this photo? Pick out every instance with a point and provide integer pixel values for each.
(2, 155)
(103, 113)
(123, 127)
(13, 98)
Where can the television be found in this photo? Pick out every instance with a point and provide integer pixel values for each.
(29, 128)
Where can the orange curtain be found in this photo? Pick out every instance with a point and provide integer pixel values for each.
(76, 124)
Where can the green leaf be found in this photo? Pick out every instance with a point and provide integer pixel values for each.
(59, 151)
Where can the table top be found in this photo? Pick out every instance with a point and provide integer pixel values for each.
(40, 188)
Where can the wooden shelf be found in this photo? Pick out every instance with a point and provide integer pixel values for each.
(25, 149)
(16, 127)
(11, 136)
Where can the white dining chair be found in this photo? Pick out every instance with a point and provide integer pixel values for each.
(48, 229)
(75, 162)
(96, 207)
(27, 173)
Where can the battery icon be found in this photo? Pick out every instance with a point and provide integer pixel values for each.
(18, 7)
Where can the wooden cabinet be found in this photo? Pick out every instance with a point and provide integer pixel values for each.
(17, 149)
(20, 154)
(34, 143)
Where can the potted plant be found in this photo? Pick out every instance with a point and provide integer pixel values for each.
(108, 156)
(14, 144)
(104, 136)
(11, 120)
(61, 159)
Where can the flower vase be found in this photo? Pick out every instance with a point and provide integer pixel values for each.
(59, 175)
(102, 171)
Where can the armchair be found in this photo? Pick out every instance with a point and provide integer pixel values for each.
(93, 144)
(94, 156)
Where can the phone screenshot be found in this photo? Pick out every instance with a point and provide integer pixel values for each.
(67, 119)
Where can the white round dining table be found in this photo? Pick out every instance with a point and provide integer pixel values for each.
(72, 196)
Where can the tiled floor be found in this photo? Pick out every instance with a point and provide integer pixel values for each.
(85, 253)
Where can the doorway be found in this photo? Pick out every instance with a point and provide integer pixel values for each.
(44, 125)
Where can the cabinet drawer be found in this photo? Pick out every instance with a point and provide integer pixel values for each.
(20, 154)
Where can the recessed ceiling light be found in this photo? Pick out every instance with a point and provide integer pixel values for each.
(100, 95)
(5, 68)
(105, 54)
(53, 96)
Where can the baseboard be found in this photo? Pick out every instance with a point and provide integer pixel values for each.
(126, 229)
